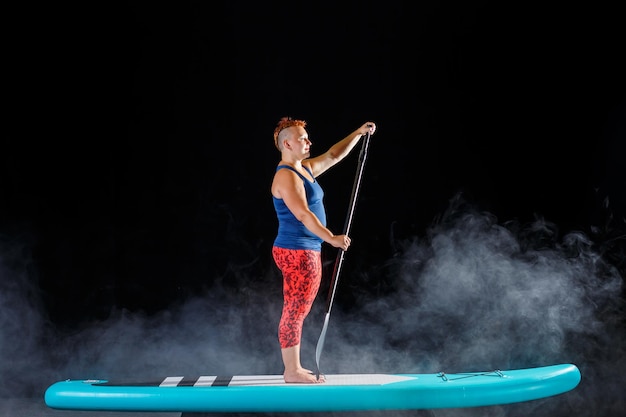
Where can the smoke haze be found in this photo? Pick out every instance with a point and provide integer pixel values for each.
(471, 295)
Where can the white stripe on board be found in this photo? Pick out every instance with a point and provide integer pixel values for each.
(171, 381)
(204, 381)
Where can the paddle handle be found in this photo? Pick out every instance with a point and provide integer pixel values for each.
(348, 224)
(340, 255)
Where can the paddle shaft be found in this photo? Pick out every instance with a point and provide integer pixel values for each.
(340, 255)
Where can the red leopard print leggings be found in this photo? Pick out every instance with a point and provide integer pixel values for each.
(302, 274)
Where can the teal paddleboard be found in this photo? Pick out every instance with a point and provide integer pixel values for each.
(342, 392)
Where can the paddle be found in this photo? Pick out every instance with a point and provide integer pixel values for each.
(340, 255)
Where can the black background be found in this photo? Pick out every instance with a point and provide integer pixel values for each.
(137, 157)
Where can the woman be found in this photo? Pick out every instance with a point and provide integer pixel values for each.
(299, 204)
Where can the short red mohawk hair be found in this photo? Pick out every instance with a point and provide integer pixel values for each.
(284, 123)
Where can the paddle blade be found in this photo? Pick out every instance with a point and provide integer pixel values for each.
(320, 344)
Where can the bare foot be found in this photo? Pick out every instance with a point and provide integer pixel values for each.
(303, 376)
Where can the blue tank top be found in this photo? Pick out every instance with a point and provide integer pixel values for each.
(292, 233)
